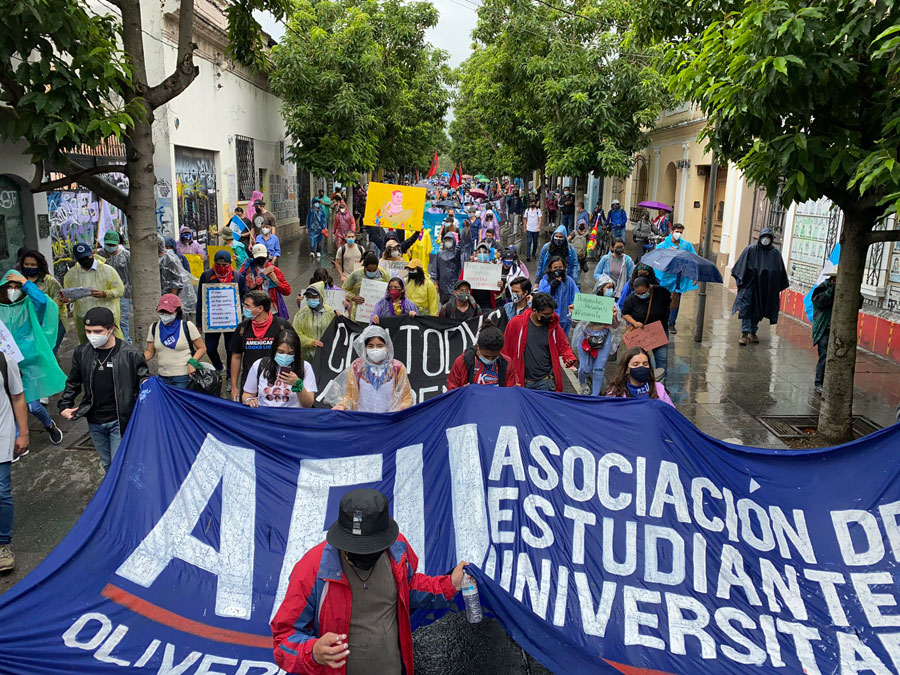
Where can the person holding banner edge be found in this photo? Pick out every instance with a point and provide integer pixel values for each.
(483, 363)
(349, 598)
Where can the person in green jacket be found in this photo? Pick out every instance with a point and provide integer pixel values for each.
(822, 302)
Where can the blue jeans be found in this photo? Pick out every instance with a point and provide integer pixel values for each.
(618, 234)
(37, 409)
(180, 381)
(661, 357)
(60, 336)
(547, 384)
(6, 504)
(212, 349)
(316, 247)
(106, 437)
(568, 219)
(673, 314)
(588, 364)
(749, 326)
(125, 309)
(532, 245)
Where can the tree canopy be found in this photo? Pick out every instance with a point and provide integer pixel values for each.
(361, 86)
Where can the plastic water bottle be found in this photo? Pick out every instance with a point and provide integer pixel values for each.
(470, 597)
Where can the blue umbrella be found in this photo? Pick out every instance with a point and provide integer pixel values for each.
(682, 263)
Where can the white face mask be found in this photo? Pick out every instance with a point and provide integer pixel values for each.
(448, 245)
(13, 294)
(266, 230)
(376, 354)
(166, 318)
(676, 236)
(98, 341)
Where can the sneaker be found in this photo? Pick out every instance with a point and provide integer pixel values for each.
(743, 340)
(318, 256)
(819, 389)
(56, 435)
(228, 386)
(45, 401)
(585, 389)
(527, 259)
(312, 256)
(753, 338)
(7, 558)
(659, 374)
(672, 329)
(16, 458)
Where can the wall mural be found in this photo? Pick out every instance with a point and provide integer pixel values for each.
(195, 189)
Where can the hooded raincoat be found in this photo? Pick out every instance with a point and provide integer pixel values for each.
(564, 294)
(572, 269)
(33, 321)
(310, 324)
(373, 387)
(173, 278)
(424, 296)
(191, 247)
(445, 268)
(760, 277)
(316, 223)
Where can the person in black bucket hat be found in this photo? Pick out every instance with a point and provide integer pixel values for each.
(365, 564)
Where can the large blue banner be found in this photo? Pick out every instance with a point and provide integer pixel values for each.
(611, 536)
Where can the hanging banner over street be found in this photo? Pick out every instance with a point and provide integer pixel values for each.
(651, 549)
(427, 346)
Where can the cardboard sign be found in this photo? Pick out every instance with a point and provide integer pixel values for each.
(649, 337)
(371, 291)
(593, 308)
(196, 262)
(335, 299)
(211, 254)
(483, 276)
(394, 268)
(398, 207)
(8, 344)
(221, 308)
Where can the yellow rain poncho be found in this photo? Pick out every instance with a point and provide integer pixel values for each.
(310, 323)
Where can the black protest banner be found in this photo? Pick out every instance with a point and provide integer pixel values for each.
(427, 346)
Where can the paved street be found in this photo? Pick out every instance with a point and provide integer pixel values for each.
(719, 385)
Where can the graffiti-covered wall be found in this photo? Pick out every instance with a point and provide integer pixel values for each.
(195, 189)
(79, 216)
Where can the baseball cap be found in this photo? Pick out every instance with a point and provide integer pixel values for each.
(616, 201)
(413, 264)
(168, 303)
(99, 316)
(222, 257)
(111, 237)
(259, 251)
(462, 282)
(81, 251)
(259, 202)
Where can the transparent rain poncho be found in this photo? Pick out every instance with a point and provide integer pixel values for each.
(173, 278)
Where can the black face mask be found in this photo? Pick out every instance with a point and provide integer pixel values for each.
(544, 320)
(260, 262)
(416, 276)
(558, 273)
(640, 374)
(86, 263)
(29, 271)
(364, 561)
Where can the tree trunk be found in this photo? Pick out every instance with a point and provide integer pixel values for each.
(835, 415)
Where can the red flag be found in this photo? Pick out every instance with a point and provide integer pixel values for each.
(454, 179)
(434, 163)
(417, 175)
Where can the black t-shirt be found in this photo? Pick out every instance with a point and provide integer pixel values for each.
(252, 348)
(103, 393)
(567, 203)
(659, 309)
(537, 352)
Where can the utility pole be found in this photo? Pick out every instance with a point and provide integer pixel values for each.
(705, 245)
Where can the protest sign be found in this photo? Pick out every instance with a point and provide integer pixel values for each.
(483, 276)
(195, 261)
(77, 293)
(334, 298)
(371, 291)
(427, 346)
(655, 549)
(398, 207)
(649, 337)
(221, 308)
(593, 308)
(394, 268)
(212, 250)
(8, 344)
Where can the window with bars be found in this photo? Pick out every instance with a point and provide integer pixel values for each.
(246, 167)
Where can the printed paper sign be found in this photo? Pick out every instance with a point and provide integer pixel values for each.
(371, 290)
(335, 299)
(397, 207)
(395, 268)
(77, 293)
(8, 344)
(221, 308)
(593, 308)
(484, 276)
(649, 337)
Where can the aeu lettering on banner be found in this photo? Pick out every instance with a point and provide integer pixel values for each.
(371, 291)
(334, 298)
(221, 308)
(483, 276)
(593, 308)
(649, 337)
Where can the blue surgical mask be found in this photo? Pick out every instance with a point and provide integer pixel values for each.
(248, 313)
(313, 302)
(643, 296)
(372, 275)
(284, 360)
(609, 292)
(483, 257)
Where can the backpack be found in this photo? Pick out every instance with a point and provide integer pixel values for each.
(469, 361)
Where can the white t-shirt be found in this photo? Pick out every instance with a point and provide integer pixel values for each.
(7, 417)
(173, 361)
(533, 220)
(277, 395)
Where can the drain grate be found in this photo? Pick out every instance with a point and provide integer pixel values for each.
(801, 426)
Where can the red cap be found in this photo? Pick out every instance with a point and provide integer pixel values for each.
(169, 303)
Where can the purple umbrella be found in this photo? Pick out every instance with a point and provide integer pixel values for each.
(659, 206)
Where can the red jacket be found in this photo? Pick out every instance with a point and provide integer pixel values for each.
(514, 346)
(319, 601)
(459, 373)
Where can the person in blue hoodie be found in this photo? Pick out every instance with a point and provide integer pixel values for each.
(559, 246)
(562, 288)
(676, 284)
